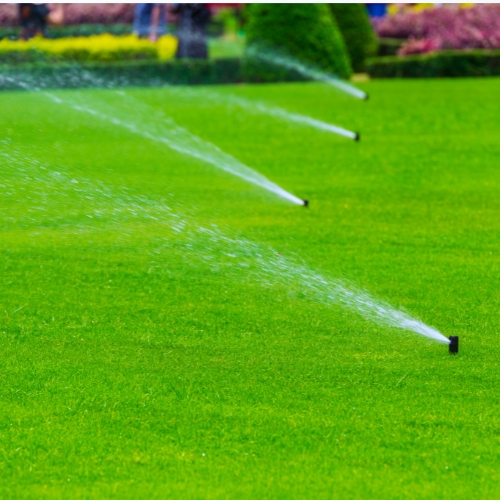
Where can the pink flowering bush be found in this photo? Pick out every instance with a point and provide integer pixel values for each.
(444, 28)
(8, 14)
(98, 13)
(79, 13)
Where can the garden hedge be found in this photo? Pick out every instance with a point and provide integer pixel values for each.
(438, 64)
(141, 73)
(357, 31)
(76, 30)
(305, 34)
(389, 46)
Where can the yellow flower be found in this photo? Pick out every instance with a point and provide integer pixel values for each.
(167, 46)
(103, 47)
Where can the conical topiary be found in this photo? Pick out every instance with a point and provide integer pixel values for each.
(284, 37)
(359, 37)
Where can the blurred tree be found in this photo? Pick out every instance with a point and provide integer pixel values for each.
(359, 37)
(304, 32)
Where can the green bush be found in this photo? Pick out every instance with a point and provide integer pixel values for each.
(285, 39)
(12, 33)
(226, 22)
(389, 46)
(438, 64)
(358, 34)
(88, 30)
(73, 30)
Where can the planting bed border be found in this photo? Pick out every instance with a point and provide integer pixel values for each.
(453, 63)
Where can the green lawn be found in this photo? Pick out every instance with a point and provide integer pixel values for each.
(144, 357)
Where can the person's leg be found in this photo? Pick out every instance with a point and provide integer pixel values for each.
(184, 33)
(199, 46)
(142, 20)
(24, 20)
(40, 13)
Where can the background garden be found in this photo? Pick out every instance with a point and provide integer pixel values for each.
(421, 41)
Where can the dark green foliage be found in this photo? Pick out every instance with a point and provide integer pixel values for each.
(35, 55)
(188, 72)
(74, 30)
(12, 33)
(304, 33)
(88, 30)
(226, 22)
(439, 64)
(262, 71)
(359, 37)
(389, 46)
(25, 56)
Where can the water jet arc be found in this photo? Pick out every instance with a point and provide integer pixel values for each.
(181, 140)
(284, 60)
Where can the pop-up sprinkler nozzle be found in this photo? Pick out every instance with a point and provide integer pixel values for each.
(306, 203)
(453, 344)
(366, 97)
(357, 137)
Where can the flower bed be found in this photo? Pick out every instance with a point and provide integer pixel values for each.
(79, 13)
(444, 28)
(93, 48)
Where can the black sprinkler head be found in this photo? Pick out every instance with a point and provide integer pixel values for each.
(306, 203)
(453, 344)
(366, 97)
(357, 138)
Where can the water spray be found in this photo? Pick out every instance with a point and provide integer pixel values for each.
(255, 106)
(453, 344)
(178, 138)
(175, 137)
(307, 120)
(311, 72)
(200, 243)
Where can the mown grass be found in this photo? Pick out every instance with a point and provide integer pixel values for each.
(141, 362)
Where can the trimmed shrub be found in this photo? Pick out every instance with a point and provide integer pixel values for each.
(439, 64)
(358, 34)
(119, 74)
(284, 39)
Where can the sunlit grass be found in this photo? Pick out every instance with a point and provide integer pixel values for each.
(142, 361)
